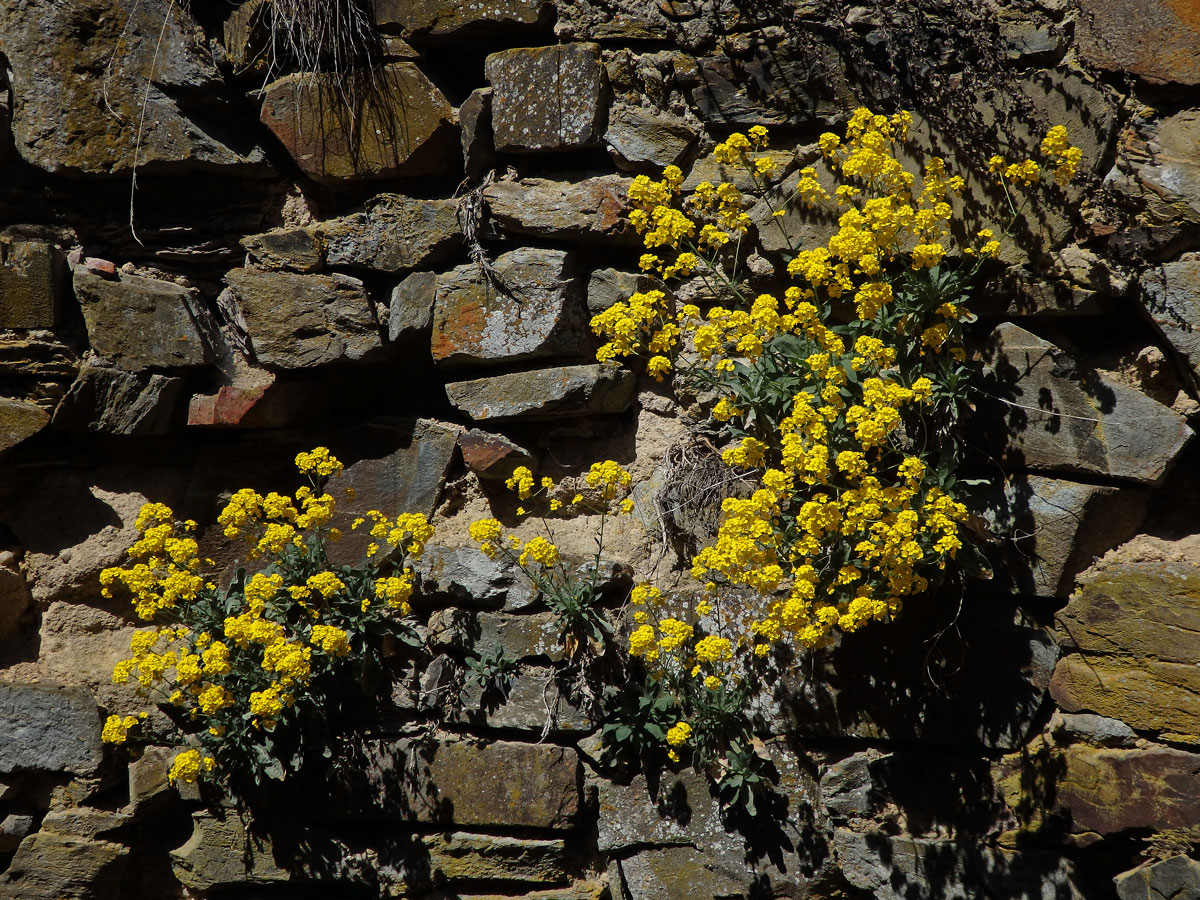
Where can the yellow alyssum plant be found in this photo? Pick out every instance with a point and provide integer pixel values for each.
(252, 673)
(840, 398)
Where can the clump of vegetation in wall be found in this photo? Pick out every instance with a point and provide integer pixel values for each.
(841, 402)
(253, 674)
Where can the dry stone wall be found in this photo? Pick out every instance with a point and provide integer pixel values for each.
(211, 259)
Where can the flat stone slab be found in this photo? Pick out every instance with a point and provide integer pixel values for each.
(1156, 39)
(31, 281)
(547, 98)
(1051, 414)
(47, 728)
(300, 321)
(141, 323)
(403, 128)
(551, 393)
(394, 233)
(534, 309)
(590, 209)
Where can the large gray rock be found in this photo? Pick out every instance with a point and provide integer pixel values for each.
(1174, 878)
(47, 728)
(898, 868)
(590, 209)
(1172, 297)
(1050, 413)
(1048, 530)
(647, 140)
(31, 281)
(95, 83)
(393, 233)
(295, 249)
(676, 873)
(533, 700)
(534, 311)
(142, 323)
(300, 321)
(50, 866)
(547, 98)
(403, 126)
(115, 402)
(553, 393)
(1161, 160)
(522, 637)
(464, 574)
(410, 313)
(607, 287)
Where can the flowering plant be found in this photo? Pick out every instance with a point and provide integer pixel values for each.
(840, 401)
(252, 673)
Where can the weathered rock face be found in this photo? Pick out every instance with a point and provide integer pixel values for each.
(1156, 40)
(1176, 877)
(290, 249)
(1172, 297)
(116, 402)
(141, 323)
(1105, 791)
(466, 783)
(410, 313)
(48, 728)
(435, 20)
(547, 98)
(591, 209)
(403, 128)
(49, 866)
(19, 419)
(532, 310)
(492, 456)
(463, 574)
(97, 89)
(562, 391)
(394, 233)
(1052, 414)
(297, 321)
(31, 281)
(1134, 629)
(644, 140)
(1048, 530)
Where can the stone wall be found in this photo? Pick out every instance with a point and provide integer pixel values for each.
(210, 261)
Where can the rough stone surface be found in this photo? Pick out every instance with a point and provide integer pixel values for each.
(96, 87)
(1137, 626)
(142, 323)
(464, 574)
(464, 21)
(896, 868)
(587, 210)
(1049, 530)
(609, 286)
(403, 128)
(1091, 729)
(50, 866)
(674, 873)
(462, 782)
(393, 233)
(299, 321)
(115, 402)
(456, 858)
(297, 249)
(547, 98)
(222, 852)
(492, 456)
(539, 313)
(647, 140)
(19, 419)
(47, 728)
(1053, 414)
(31, 276)
(1161, 157)
(1174, 878)
(522, 637)
(1172, 297)
(558, 392)
(410, 313)
(478, 142)
(249, 397)
(532, 701)
(1158, 40)
(1105, 791)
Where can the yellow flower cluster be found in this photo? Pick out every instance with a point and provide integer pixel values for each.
(242, 656)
